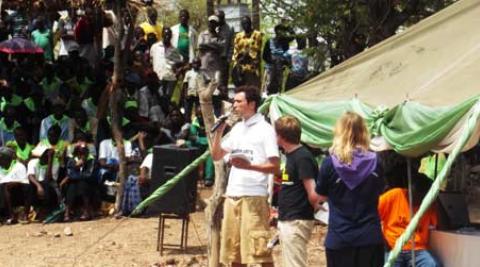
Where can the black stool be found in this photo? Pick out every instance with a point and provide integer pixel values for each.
(161, 231)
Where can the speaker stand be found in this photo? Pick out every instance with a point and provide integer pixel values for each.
(161, 231)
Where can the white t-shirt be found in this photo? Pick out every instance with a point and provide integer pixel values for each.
(191, 79)
(17, 174)
(163, 59)
(108, 151)
(147, 163)
(257, 140)
(40, 172)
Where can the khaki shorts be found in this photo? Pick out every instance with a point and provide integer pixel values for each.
(245, 231)
(294, 237)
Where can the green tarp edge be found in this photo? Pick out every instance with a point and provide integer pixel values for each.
(411, 129)
(470, 126)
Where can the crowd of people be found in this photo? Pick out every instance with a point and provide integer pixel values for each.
(57, 148)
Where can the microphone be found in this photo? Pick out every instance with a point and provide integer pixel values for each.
(219, 122)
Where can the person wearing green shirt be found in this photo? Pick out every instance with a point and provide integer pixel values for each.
(50, 83)
(53, 141)
(42, 37)
(9, 98)
(8, 124)
(20, 145)
(184, 37)
(58, 118)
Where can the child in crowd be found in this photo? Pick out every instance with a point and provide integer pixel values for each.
(190, 88)
(43, 176)
(79, 182)
(20, 145)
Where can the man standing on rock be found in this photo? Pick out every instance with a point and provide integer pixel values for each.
(253, 155)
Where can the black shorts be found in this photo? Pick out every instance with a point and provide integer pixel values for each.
(364, 256)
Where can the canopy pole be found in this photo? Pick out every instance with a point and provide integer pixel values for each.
(410, 203)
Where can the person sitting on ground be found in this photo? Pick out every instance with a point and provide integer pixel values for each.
(109, 160)
(20, 145)
(151, 100)
(8, 124)
(58, 118)
(394, 210)
(58, 145)
(79, 182)
(175, 129)
(297, 199)
(8, 96)
(82, 123)
(50, 84)
(14, 185)
(43, 176)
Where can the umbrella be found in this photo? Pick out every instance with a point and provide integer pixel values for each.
(19, 45)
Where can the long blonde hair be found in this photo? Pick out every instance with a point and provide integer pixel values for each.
(350, 133)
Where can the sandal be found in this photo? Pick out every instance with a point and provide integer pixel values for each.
(11, 221)
(85, 217)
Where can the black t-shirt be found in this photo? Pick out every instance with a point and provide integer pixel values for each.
(293, 201)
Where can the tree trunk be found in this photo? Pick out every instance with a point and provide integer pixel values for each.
(118, 71)
(215, 203)
(256, 14)
(210, 7)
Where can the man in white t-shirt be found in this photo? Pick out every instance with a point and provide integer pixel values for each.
(14, 183)
(165, 57)
(42, 173)
(253, 155)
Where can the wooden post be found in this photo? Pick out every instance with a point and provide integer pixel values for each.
(215, 203)
(114, 101)
(256, 14)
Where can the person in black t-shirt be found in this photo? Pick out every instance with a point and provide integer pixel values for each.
(297, 199)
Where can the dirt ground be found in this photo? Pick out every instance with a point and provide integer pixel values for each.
(117, 242)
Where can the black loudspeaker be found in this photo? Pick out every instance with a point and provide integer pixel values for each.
(168, 161)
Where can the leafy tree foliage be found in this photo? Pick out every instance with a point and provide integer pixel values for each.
(339, 29)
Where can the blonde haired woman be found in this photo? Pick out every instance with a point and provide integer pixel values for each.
(350, 177)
